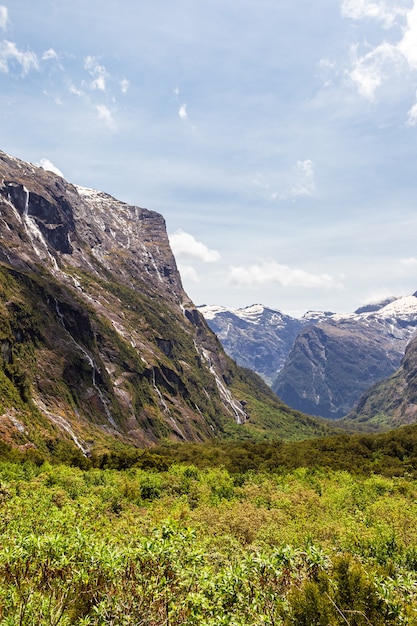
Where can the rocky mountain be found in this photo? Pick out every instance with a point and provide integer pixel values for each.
(334, 361)
(99, 342)
(391, 402)
(323, 362)
(255, 337)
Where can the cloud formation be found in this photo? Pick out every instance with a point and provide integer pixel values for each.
(49, 55)
(47, 165)
(188, 273)
(385, 60)
(370, 70)
(9, 54)
(98, 73)
(305, 184)
(359, 9)
(182, 112)
(410, 262)
(3, 17)
(124, 85)
(105, 115)
(186, 245)
(295, 183)
(270, 272)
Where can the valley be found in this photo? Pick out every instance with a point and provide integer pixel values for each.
(147, 478)
(323, 362)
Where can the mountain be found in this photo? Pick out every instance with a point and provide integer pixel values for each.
(391, 402)
(99, 342)
(333, 362)
(255, 337)
(323, 362)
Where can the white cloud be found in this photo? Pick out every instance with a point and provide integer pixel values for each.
(74, 90)
(383, 61)
(370, 70)
(305, 185)
(103, 112)
(98, 72)
(328, 71)
(185, 245)
(49, 55)
(9, 53)
(124, 85)
(299, 181)
(412, 115)
(105, 115)
(182, 112)
(3, 17)
(270, 272)
(359, 9)
(408, 44)
(410, 262)
(378, 295)
(188, 273)
(46, 164)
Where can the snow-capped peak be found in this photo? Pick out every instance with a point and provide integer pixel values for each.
(211, 310)
(401, 307)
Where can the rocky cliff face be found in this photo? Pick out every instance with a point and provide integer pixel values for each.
(323, 362)
(98, 339)
(255, 337)
(391, 402)
(335, 360)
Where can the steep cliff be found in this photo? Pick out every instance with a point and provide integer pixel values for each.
(256, 337)
(391, 402)
(333, 362)
(99, 341)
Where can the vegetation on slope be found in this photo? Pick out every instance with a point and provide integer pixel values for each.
(161, 389)
(393, 401)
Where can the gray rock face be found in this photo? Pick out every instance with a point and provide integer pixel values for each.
(98, 339)
(256, 337)
(334, 361)
(392, 402)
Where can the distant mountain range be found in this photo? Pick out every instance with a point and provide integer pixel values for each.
(255, 337)
(322, 363)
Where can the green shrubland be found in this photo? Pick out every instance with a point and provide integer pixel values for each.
(174, 543)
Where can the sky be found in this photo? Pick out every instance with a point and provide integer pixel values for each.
(278, 139)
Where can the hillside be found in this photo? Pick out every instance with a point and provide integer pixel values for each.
(256, 337)
(99, 342)
(334, 361)
(391, 402)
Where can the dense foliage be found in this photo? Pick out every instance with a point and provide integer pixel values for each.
(389, 454)
(188, 545)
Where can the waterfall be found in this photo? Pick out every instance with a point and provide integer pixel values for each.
(91, 363)
(165, 406)
(34, 232)
(225, 393)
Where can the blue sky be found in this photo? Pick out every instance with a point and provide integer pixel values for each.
(278, 139)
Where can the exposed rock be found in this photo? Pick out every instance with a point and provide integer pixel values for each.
(391, 402)
(98, 338)
(334, 361)
(255, 337)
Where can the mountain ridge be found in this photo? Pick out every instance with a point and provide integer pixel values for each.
(323, 361)
(99, 341)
